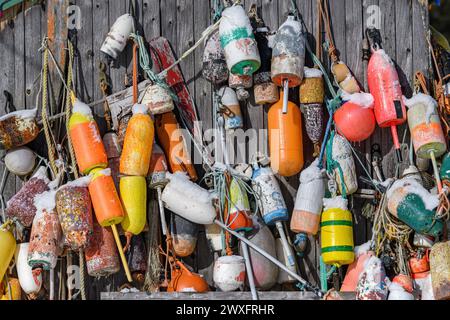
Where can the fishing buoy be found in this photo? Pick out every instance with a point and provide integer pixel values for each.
(240, 83)
(283, 276)
(410, 202)
(137, 259)
(138, 143)
(355, 119)
(300, 244)
(158, 165)
(265, 273)
(397, 292)
(29, 282)
(336, 232)
(424, 285)
(372, 284)
(341, 153)
(215, 68)
(101, 254)
(172, 141)
(133, 192)
(419, 262)
(355, 269)
(46, 235)
(313, 113)
(285, 138)
(238, 41)
(73, 205)
(18, 128)
(117, 38)
(21, 205)
(214, 235)
(384, 85)
(183, 280)
(86, 140)
(188, 199)
(12, 290)
(157, 99)
(229, 273)
(7, 248)
(20, 161)
(238, 218)
(312, 87)
(122, 127)
(113, 152)
(309, 200)
(184, 235)
(232, 110)
(105, 199)
(404, 281)
(440, 270)
(288, 55)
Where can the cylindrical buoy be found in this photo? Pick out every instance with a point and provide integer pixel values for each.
(133, 192)
(229, 273)
(266, 186)
(101, 254)
(215, 68)
(313, 113)
(123, 120)
(188, 199)
(240, 83)
(288, 55)
(410, 202)
(309, 200)
(138, 143)
(157, 99)
(29, 282)
(384, 85)
(372, 282)
(173, 143)
(158, 165)
(21, 205)
(7, 248)
(440, 270)
(285, 138)
(74, 208)
(355, 119)
(20, 161)
(113, 151)
(184, 235)
(350, 84)
(45, 239)
(283, 276)
(105, 199)
(137, 259)
(312, 87)
(232, 110)
(336, 232)
(342, 153)
(215, 236)
(355, 269)
(238, 41)
(425, 126)
(238, 218)
(86, 140)
(265, 272)
(18, 128)
(117, 38)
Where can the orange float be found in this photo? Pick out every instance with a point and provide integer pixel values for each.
(86, 140)
(138, 143)
(172, 142)
(285, 138)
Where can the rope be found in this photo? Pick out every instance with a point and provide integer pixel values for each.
(135, 72)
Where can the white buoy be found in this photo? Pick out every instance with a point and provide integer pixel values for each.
(20, 161)
(117, 38)
(30, 284)
(229, 273)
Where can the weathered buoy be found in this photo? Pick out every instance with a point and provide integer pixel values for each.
(113, 152)
(384, 85)
(440, 270)
(86, 140)
(18, 128)
(158, 165)
(7, 248)
(238, 41)
(215, 68)
(157, 99)
(336, 232)
(117, 38)
(101, 254)
(372, 282)
(424, 285)
(29, 282)
(215, 236)
(341, 152)
(188, 199)
(312, 87)
(20, 161)
(419, 262)
(397, 292)
(183, 280)
(74, 208)
(105, 199)
(355, 119)
(21, 205)
(240, 83)
(138, 143)
(355, 269)
(232, 110)
(309, 200)
(172, 141)
(122, 127)
(133, 192)
(137, 259)
(229, 273)
(410, 202)
(285, 138)
(239, 212)
(184, 235)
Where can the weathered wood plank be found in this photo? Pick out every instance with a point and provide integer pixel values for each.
(420, 21)
(118, 70)
(151, 19)
(100, 23)
(404, 39)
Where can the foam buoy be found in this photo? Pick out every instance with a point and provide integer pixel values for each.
(214, 64)
(157, 99)
(184, 235)
(7, 249)
(20, 161)
(341, 152)
(232, 113)
(18, 128)
(229, 273)
(29, 282)
(133, 192)
(117, 38)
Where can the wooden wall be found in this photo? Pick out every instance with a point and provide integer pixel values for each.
(182, 22)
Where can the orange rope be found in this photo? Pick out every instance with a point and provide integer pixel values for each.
(135, 73)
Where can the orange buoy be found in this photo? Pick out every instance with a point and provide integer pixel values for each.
(138, 143)
(355, 119)
(173, 144)
(285, 138)
(105, 199)
(86, 140)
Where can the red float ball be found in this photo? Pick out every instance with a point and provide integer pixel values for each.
(354, 122)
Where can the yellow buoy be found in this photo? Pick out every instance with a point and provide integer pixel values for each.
(7, 249)
(133, 191)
